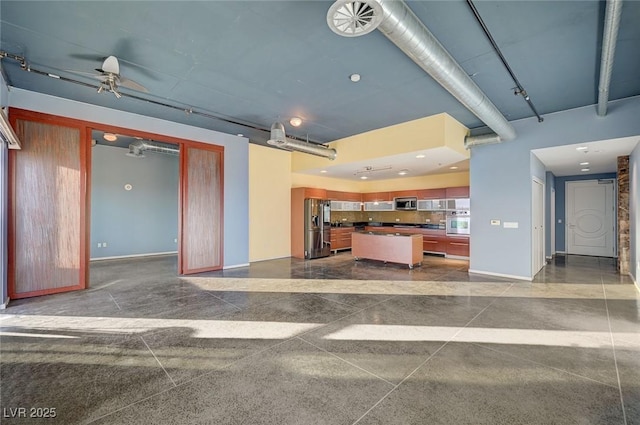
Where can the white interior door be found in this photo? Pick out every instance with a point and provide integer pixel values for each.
(590, 217)
(537, 221)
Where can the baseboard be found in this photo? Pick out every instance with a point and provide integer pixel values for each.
(509, 276)
(5, 304)
(636, 283)
(235, 266)
(456, 257)
(116, 257)
(270, 258)
(561, 252)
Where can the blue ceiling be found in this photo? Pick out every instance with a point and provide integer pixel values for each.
(255, 62)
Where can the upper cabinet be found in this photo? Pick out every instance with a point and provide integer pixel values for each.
(314, 193)
(334, 195)
(457, 192)
(432, 193)
(376, 197)
(403, 194)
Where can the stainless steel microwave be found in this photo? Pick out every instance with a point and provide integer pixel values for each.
(405, 204)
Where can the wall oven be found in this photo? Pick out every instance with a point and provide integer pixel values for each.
(458, 223)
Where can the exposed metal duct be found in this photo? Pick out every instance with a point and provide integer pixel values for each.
(137, 148)
(400, 25)
(279, 139)
(609, 39)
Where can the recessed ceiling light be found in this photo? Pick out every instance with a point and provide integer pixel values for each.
(110, 137)
(582, 148)
(240, 135)
(453, 167)
(584, 163)
(364, 177)
(354, 77)
(420, 156)
(323, 171)
(403, 172)
(584, 169)
(295, 121)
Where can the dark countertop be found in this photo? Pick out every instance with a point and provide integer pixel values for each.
(387, 234)
(362, 224)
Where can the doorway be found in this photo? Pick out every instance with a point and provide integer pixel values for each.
(134, 197)
(537, 221)
(590, 217)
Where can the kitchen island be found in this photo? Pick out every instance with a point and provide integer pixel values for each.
(394, 248)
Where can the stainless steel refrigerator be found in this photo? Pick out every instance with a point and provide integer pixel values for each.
(317, 228)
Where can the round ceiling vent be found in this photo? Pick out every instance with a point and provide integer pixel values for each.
(350, 18)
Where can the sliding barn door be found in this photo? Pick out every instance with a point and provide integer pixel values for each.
(46, 229)
(202, 206)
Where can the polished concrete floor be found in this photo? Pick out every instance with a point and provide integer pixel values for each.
(327, 341)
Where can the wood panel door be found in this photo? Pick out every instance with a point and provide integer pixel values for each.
(201, 229)
(47, 227)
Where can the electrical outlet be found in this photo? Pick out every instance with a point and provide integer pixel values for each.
(104, 244)
(370, 219)
(99, 244)
(427, 220)
(397, 219)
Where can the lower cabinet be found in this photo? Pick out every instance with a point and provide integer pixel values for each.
(458, 246)
(434, 244)
(341, 238)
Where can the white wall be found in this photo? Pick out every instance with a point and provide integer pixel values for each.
(501, 180)
(236, 154)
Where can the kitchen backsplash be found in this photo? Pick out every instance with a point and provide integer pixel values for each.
(413, 217)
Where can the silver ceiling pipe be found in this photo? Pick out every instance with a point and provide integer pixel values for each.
(609, 39)
(400, 25)
(279, 139)
(137, 148)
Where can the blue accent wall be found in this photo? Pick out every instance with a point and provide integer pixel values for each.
(561, 203)
(236, 157)
(500, 179)
(143, 220)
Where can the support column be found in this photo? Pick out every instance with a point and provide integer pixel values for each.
(623, 214)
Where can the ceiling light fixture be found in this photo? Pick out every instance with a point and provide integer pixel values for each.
(323, 171)
(403, 172)
(110, 137)
(584, 169)
(420, 155)
(453, 167)
(364, 177)
(582, 148)
(354, 78)
(584, 163)
(295, 121)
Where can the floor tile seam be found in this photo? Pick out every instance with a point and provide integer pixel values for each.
(114, 300)
(346, 361)
(224, 301)
(480, 345)
(430, 357)
(615, 359)
(158, 360)
(190, 381)
(335, 301)
(344, 317)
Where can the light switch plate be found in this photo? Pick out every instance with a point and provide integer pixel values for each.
(495, 222)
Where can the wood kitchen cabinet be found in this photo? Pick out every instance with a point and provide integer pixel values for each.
(403, 194)
(315, 193)
(434, 244)
(458, 246)
(341, 238)
(335, 195)
(457, 192)
(432, 193)
(376, 196)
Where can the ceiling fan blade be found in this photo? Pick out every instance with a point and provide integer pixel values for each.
(110, 65)
(130, 84)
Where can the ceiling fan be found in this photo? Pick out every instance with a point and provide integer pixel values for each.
(111, 80)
